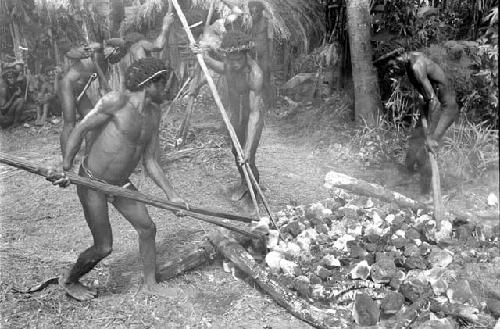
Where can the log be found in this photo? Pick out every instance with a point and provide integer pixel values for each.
(198, 213)
(358, 186)
(361, 187)
(297, 306)
(187, 260)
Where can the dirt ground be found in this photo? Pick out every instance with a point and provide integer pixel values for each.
(43, 229)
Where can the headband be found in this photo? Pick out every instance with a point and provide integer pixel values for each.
(237, 49)
(152, 77)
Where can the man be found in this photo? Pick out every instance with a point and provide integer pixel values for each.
(261, 33)
(431, 82)
(12, 92)
(132, 47)
(245, 104)
(81, 71)
(126, 124)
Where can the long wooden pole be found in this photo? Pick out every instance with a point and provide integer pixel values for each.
(198, 213)
(218, 101)
(436, 183)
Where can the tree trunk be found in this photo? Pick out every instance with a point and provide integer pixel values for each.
(16, 41)
(367, 103)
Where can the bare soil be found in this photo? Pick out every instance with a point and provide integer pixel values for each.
(43, 230)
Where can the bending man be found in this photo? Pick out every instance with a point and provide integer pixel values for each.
(431, 82)
(126, 126)
(245, 104)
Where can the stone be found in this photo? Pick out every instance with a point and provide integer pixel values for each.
(412, 290)
(301, 285)
(314, 279)
(341, 243)
(360, 271)
(397, 280)
(292, 249)
(411, 250)
(415, 262)
(445, 232)
(293, 228)
(392, 303)
(460, 292)
(399, 242)
(289, 268)
(365, 311)
(355, 251)
(317, 210)
(412, 234)
(322, 229)
(444, 323)
(273, 260)
(383, 270)
(440, 258)
(322, 272)
(330, 261)
(304, 243)
(317, 291)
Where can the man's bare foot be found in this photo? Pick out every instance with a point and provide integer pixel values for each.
(156, 289)
(78, 291)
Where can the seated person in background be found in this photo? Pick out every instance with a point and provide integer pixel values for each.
(45, 99)
(12, 92)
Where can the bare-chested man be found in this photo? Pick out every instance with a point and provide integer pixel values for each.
(431, 82)
(126, 126)
(245, 103)
(132, 47)
(80, 72)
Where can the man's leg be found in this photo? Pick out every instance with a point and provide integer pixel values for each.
(239, 126)
(38, 114)
(137, 214)
(95, 209)
(45, 113)
(18, 107)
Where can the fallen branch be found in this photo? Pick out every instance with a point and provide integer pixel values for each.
(297, 306)
(108, 189)
(186, 260)
(361, 187)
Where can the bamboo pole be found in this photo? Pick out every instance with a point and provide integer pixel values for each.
(198, 213)
(218, 101)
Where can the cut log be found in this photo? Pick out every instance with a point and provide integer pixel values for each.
(361, 187)
(297, 306)
(186, 260)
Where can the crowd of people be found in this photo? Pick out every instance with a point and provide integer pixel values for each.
(122, 128)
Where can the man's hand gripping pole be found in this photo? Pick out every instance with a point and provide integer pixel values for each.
(249, 177)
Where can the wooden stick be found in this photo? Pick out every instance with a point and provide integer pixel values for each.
(297, 306)
(108, 189)
(218, 101)
(436, 184)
